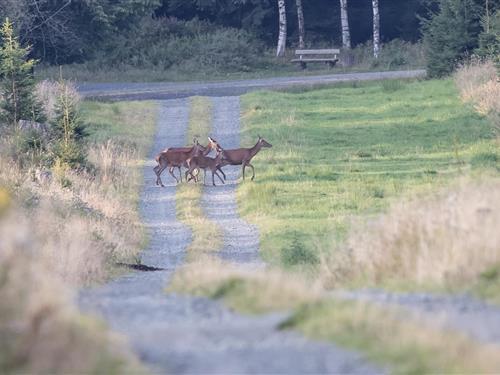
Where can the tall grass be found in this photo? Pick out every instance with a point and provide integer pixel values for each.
(479, 84)
(448, 239)
(64, 231)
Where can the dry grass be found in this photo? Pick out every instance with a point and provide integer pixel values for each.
(479, 84)
(245, 289)
(444, 240)
(389, 336)
(40, 330)
(64, 231)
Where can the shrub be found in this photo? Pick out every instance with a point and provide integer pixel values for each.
(166, 43)
(298, 253)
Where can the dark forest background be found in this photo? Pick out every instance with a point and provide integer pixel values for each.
(234, 35)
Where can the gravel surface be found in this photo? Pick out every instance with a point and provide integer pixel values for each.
(171, 90)
(183, 334)
(463, 313)
(241, 240)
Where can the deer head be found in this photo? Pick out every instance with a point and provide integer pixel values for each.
(263, 143)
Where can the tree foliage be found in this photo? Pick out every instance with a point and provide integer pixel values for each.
(17, 81)
(67, 128)
(453, 31)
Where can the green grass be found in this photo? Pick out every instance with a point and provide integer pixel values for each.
(206, 234)
(350, 150)
(389, 337)
(130, 123)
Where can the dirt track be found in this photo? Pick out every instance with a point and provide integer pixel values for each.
(182, 334)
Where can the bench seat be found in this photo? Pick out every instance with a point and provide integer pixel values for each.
(329, 56)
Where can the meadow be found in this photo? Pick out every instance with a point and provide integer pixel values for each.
(349, 152)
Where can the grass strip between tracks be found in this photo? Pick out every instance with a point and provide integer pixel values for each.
(206, 234)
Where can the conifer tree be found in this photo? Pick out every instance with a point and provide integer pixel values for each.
(67, 128)
(17, 83)
(449, 34)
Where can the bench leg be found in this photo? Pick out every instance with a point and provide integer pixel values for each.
(303, 65)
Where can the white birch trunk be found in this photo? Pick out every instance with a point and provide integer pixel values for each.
(346, 34)
(376, 29)
(300, 17)
(282, 28)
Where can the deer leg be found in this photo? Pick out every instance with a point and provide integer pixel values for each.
(221, 171)
(253, 171)
(160, 170)
(171, 171)
(180, 172)
(155, 169)
(243, 167)
(221, 180)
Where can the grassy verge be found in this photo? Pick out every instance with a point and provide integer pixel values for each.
(349, 151)
(66, 231)
(385, 335)
(388, 336)
(206, 234)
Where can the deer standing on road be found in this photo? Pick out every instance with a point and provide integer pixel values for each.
(179, 157)
(205, 162)
(242, 156)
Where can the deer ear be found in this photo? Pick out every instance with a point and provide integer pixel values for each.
(258, 135)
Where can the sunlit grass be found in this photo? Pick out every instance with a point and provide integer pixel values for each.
(345, 151)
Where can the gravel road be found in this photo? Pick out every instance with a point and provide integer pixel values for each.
(241, 240)
(183, 334)
(171, 90)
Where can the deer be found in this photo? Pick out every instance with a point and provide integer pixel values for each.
(241, 156)
(204, 162)
(179, 157)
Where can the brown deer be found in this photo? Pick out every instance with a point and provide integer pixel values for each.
(204, 162)
(178, 157)
(242, 156)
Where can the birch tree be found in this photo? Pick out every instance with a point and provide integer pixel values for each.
(282, 28)
(376, 29)
(300, 16)
(346, 34)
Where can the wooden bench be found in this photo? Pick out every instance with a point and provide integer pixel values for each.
(328, 56)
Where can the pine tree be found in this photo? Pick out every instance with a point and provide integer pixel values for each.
(17, 83)
(449, 34)
(67, 128)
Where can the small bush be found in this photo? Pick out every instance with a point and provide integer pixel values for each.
(298, 253)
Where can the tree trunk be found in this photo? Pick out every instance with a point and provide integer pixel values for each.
(346, 34)
(282, 28)
(376, 29)
(300, 16)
